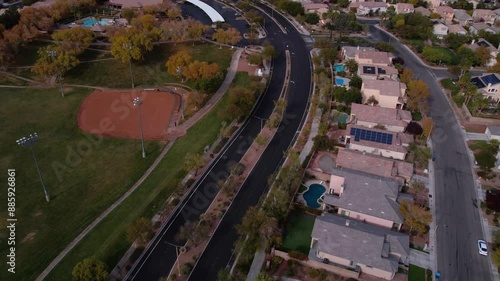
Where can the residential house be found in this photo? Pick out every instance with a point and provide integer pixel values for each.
(493, 50)
(374, 165)
(404, 8)
(462, 17)
(373, 57)
(483, 15)
(358, 246)
(122, 4)
(440, 30)
(366, 71)
(379, 142)
(387, 93)
(365, 8)
(497, 11)
(349, 52)
(457, 29)
(423, 11)
(394, 120)
(446, 12)
(364, 197)
(478, 26)
(316, 8)
(489, 85)
(434, 3)
(493, 132)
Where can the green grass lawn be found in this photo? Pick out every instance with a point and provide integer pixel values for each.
(449, 84)
(107, 241)
(298, 232)
(447, 55)
(302, 188)
(416, 273)
(414, 42)
(147, 73)
(96, 172)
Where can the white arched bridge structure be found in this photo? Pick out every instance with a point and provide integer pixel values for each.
(211, 12)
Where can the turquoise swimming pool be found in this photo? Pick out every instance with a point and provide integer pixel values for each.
(340, 81)
(89, 22)
(313, 194)
(342, 117)
(339, 67)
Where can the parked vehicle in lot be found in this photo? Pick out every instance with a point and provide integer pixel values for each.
(483, 247)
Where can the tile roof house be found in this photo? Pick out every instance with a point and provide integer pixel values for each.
(358, 246)
(379, 142)
(487, 16)
(440, 30)
(478, 26)
(363, 197)
(364, 8)
(394, 120)
(391, 94)
(373, 57)
(493, 132)
(316, 8)
(489, 85)
(366, 71)
(462, 17)
(446, 12)
(404, 8)
(483, 43)
(349, 52)
(456, 28)
(423, 11)
(122, 4)
(374, 165)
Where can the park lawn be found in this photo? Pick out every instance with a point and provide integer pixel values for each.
(107, 241)
(9, 80)
(93, 178)
(28, 54)
(416, 273)
(447, 55)
(298, 232)
(150, 72)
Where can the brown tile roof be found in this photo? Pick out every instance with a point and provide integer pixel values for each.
(376, 56)
(135, 3)
(381, 115)
(386, 87)
(445, 10)
(456, 28)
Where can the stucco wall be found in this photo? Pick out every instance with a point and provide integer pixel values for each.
(376, 151)
(391, 128)
(369, 219)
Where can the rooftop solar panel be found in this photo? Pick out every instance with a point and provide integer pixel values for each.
(381, 71)
(478, 82)
(492, 78)
(368, 135)
(369, 69)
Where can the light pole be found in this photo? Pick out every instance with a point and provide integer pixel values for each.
(138, 102)
(177, 253)
(129, 47)
(28, 142)
(261, 122)
(53, 54)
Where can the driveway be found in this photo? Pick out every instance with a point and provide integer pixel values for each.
(420, 258)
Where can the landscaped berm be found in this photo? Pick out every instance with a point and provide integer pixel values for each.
(112, 113)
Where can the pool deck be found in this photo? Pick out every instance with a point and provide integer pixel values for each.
(300, 196)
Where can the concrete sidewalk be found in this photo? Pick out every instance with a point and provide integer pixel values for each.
(256, 267)
(421, 259)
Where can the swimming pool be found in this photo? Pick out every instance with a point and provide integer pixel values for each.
(89, 22)
(341, 117)
(340, 81)
(339, 67)
(313, 194)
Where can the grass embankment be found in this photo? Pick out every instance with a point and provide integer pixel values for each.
(93, 173)
(298, 232)
(107, 241)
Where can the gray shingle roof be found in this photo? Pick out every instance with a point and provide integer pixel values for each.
(360, 242)
(367, 194)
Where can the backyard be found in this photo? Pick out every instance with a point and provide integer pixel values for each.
(416, 273)
(298, 232)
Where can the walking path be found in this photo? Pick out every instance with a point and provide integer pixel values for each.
(186, 125)
(258, 261)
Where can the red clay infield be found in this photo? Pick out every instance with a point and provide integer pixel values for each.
(111, 113)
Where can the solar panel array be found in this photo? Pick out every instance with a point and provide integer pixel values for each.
(492, 78)
(368, 135)
(369, 69)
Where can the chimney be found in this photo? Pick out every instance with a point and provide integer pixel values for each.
(347, 222)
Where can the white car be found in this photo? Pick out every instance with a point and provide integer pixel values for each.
(483, 247)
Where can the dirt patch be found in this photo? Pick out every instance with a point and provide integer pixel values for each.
(112, 113)
(243, 65)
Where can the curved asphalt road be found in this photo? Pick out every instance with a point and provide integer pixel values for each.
(458, 221)
(158, 259)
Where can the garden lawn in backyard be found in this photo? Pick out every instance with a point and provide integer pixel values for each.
(298, 231)
(416, 273)
(83, 173)
(107, 241)
(149, 72)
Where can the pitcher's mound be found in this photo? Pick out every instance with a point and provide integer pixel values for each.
(112, 113)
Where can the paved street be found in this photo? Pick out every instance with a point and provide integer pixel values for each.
(458, 221)
(159, 258)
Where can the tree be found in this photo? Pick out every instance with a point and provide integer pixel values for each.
(6, 54)
(47, 65)
(418, 186)
(427, 126)
(75, 39)
(483, 54)
(260, 140)
(418, 95)
(131, 44)
(480, 102)
(415, 216)
(128, 14)
(323, 43)
(384, 47)
(328, 55)
(194, 231)
(90, 269)
(141, 230)
(263, 277)
(419, 154)
(269, 51)
(255, 59)
(351, 65)
(456, 40)
(293, 8)
(241, 101)
(414, 128)
(356, 82)
(224, 275)
(195, 30)
(406, 76)
(277, 203)
(177, 62)
(200, 70)
(193, 161)
(312, 18)
(259, 227)
(496, 257)
(229, 36)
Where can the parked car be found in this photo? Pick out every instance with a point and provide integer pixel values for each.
(483, 248)
(398, 60)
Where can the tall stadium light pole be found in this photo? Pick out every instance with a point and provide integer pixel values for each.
(53, 54)
(138, 102)
(28, 142)
(129, 47)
